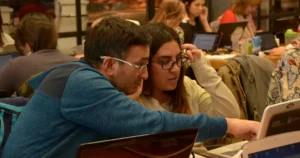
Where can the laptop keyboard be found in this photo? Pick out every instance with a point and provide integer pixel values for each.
(231, 153)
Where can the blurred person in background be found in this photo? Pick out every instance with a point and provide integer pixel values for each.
(242, 10)
(36, 38)
(197, 19)
(171, 12)
(5, 38)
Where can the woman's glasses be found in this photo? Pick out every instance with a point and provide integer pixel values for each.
(181, 60)
(141, 68)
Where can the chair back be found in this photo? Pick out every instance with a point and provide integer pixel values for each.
(10, 109)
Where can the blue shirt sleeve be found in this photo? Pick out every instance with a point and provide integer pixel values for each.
(90, 100)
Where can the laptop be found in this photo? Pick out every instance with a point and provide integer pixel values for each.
(267, 41)
(174, 144)
(286, 145)
(5, 58)
(279, 26)
(278, 118)
(207, 41)
(227, 29)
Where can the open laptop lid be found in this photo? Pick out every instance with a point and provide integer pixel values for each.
(281, 25)
(206, 41)
(280, 118)
(227, 29)
(267, 40)
(286, 145)
(175, 144)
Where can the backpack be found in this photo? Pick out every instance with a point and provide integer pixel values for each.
(230, 74)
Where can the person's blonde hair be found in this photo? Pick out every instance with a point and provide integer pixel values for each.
(239, 6)
(170, 12)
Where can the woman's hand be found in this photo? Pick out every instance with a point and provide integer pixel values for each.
(278, 51)
(243, 128)
(193, 53)
(204, 14)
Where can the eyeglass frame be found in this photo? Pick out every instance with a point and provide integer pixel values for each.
(182, 56)
(140, 67)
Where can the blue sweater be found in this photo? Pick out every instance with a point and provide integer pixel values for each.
(74, 104)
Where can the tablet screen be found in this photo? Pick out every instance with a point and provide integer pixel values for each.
(267, 41)
(207, 42)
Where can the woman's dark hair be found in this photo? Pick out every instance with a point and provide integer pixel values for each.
(187, 4)
(162, 34)
(38, 30)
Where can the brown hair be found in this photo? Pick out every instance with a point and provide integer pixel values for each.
(38, 30)
(239, 6)
(172, 10)
(162, 34)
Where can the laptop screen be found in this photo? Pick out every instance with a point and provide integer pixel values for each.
(267, 40)
(227, 29)
(206, 41)
(174, 144)
(284, 122)
(287, 151)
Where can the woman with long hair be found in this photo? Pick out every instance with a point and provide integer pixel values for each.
(167, 88)
(197, 19)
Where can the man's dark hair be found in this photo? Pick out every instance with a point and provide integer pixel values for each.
(113, 37)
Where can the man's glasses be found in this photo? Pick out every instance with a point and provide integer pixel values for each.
(182, 60)
(141, 68)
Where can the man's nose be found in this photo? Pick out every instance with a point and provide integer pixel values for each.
(144, 73)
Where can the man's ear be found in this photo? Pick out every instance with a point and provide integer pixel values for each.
(109, 66)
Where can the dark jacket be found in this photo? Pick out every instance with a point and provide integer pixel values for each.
(189, 30)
